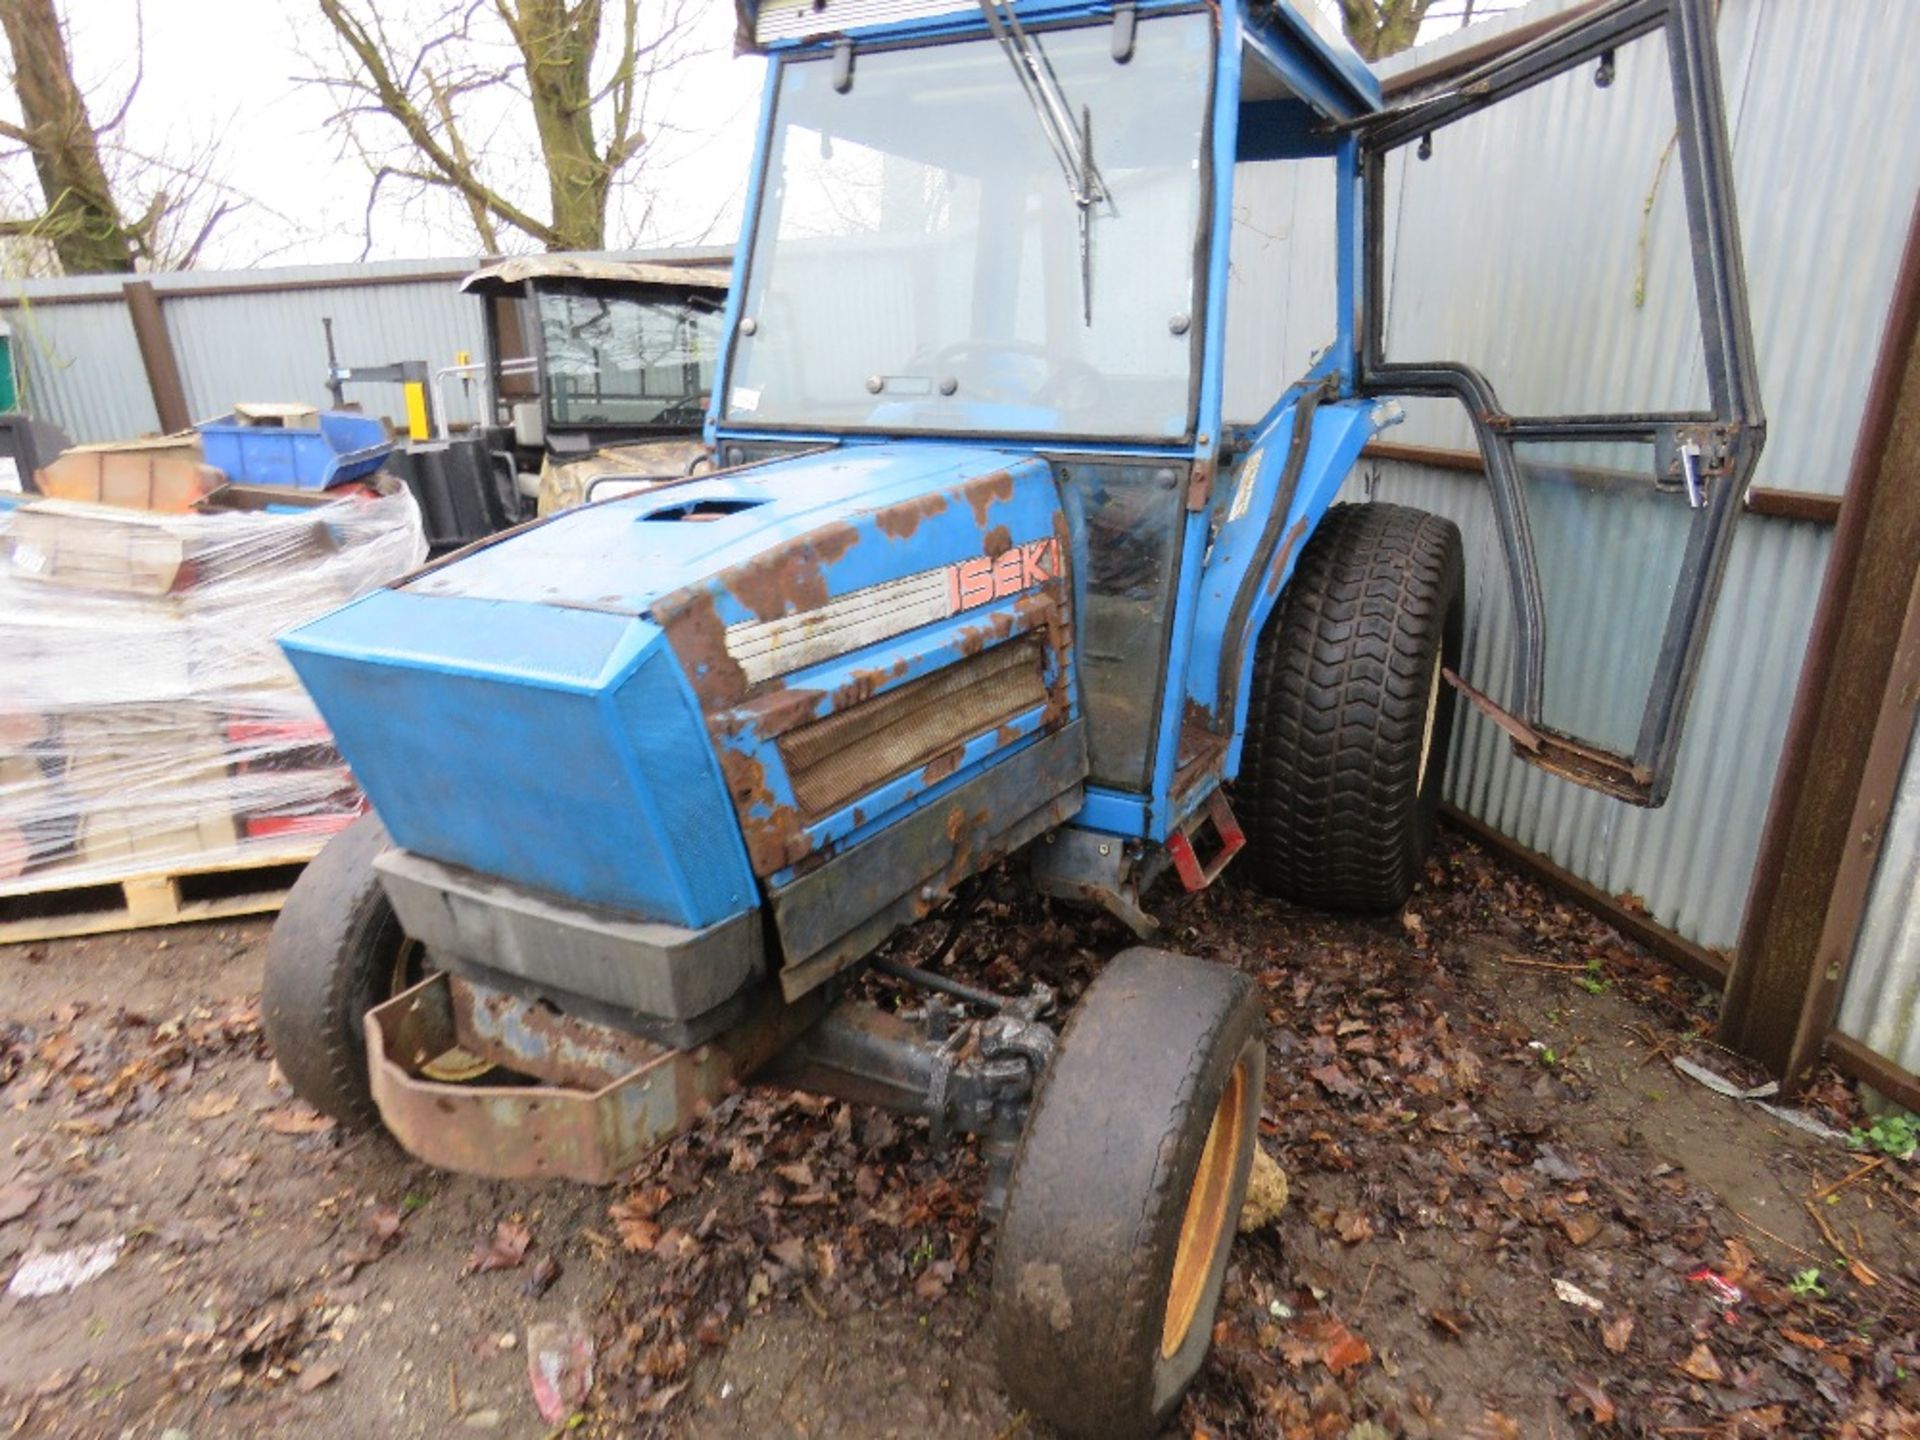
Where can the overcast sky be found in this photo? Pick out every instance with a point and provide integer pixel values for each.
(225, 78)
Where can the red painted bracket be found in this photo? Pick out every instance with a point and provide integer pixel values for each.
(1194, 874)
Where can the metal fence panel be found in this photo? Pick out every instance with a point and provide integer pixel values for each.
(80, 368)
(1881, 1007)
(269, 345)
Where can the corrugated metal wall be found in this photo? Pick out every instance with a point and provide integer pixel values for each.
(1817, 94)
(80, 368)
(270, 345)
(244, 335)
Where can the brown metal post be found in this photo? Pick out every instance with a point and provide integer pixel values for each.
(156, 353)
(1811, 876)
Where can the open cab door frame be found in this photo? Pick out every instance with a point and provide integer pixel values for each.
(1709, 454)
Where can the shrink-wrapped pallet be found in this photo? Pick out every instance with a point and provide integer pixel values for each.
(147, 717)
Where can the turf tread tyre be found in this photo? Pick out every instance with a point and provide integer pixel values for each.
(330, 960)
(1330, 791)
(1084, 1259)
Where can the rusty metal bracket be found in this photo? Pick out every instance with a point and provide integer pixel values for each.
(1709, 450)
(1091, 867)
(1523, 735)
(600, 1098)
(1200, 485)
(1562, 755)
(1193, 872)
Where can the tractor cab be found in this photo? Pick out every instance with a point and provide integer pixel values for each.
(1024, 556)
(597, 370)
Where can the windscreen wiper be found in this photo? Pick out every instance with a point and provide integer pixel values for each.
(1071, 141)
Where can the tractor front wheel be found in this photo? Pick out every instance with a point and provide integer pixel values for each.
(337, 950)
(1125, 1195)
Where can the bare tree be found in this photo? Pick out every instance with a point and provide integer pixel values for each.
(103, 206)
(1379, 28)
(423, 95)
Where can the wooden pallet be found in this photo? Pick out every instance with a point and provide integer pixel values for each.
(49, 907)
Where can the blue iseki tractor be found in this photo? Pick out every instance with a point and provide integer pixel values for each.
(984, 579)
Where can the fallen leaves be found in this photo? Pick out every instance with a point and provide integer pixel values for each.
(1586, 1397)
(634, 1217)
(381, 1231)
(540, 1279)
(213, 1107)
(314, 1376)
(16, 1199)
(1336, 1081)
(504, 1250)
(1617, 1333)
(1325, 1340)
(1352, 1227)
(1581, 1227)
(1574, 1295)
(1701, 1365)
(296, 1119)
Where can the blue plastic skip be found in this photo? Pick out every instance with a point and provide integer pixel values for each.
(345, 447)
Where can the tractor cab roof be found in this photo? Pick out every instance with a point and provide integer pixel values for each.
(506, 277)
(1342, 83)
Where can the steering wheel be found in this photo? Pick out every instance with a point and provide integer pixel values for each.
(1070, 384)
(687, 410)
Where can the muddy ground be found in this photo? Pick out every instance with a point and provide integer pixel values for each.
(1511, 1217)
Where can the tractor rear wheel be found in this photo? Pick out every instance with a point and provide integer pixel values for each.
(1349, 720)
(1126, 1192)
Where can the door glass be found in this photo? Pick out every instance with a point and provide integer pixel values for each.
(1544, 242)
(1534, 248)
(1609, 548)
(1282, 280)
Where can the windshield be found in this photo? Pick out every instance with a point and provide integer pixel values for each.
(924, 258)
(614, 361)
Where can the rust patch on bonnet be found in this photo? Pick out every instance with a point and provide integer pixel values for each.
(776, 711)
(783, 581)
(998, 541)
(997, 626)
(941, 766)
(1048, 608)
(981, 494)
(699, 641)
(898, 522)
(776, 837)
(958, 823)
(830, 542)
(865, 684)
(963, 833)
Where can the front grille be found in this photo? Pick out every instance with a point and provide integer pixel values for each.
(842, 756)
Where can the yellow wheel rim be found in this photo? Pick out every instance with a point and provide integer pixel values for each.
(1426, 736)
(1205, 1228)
(456, 1066)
